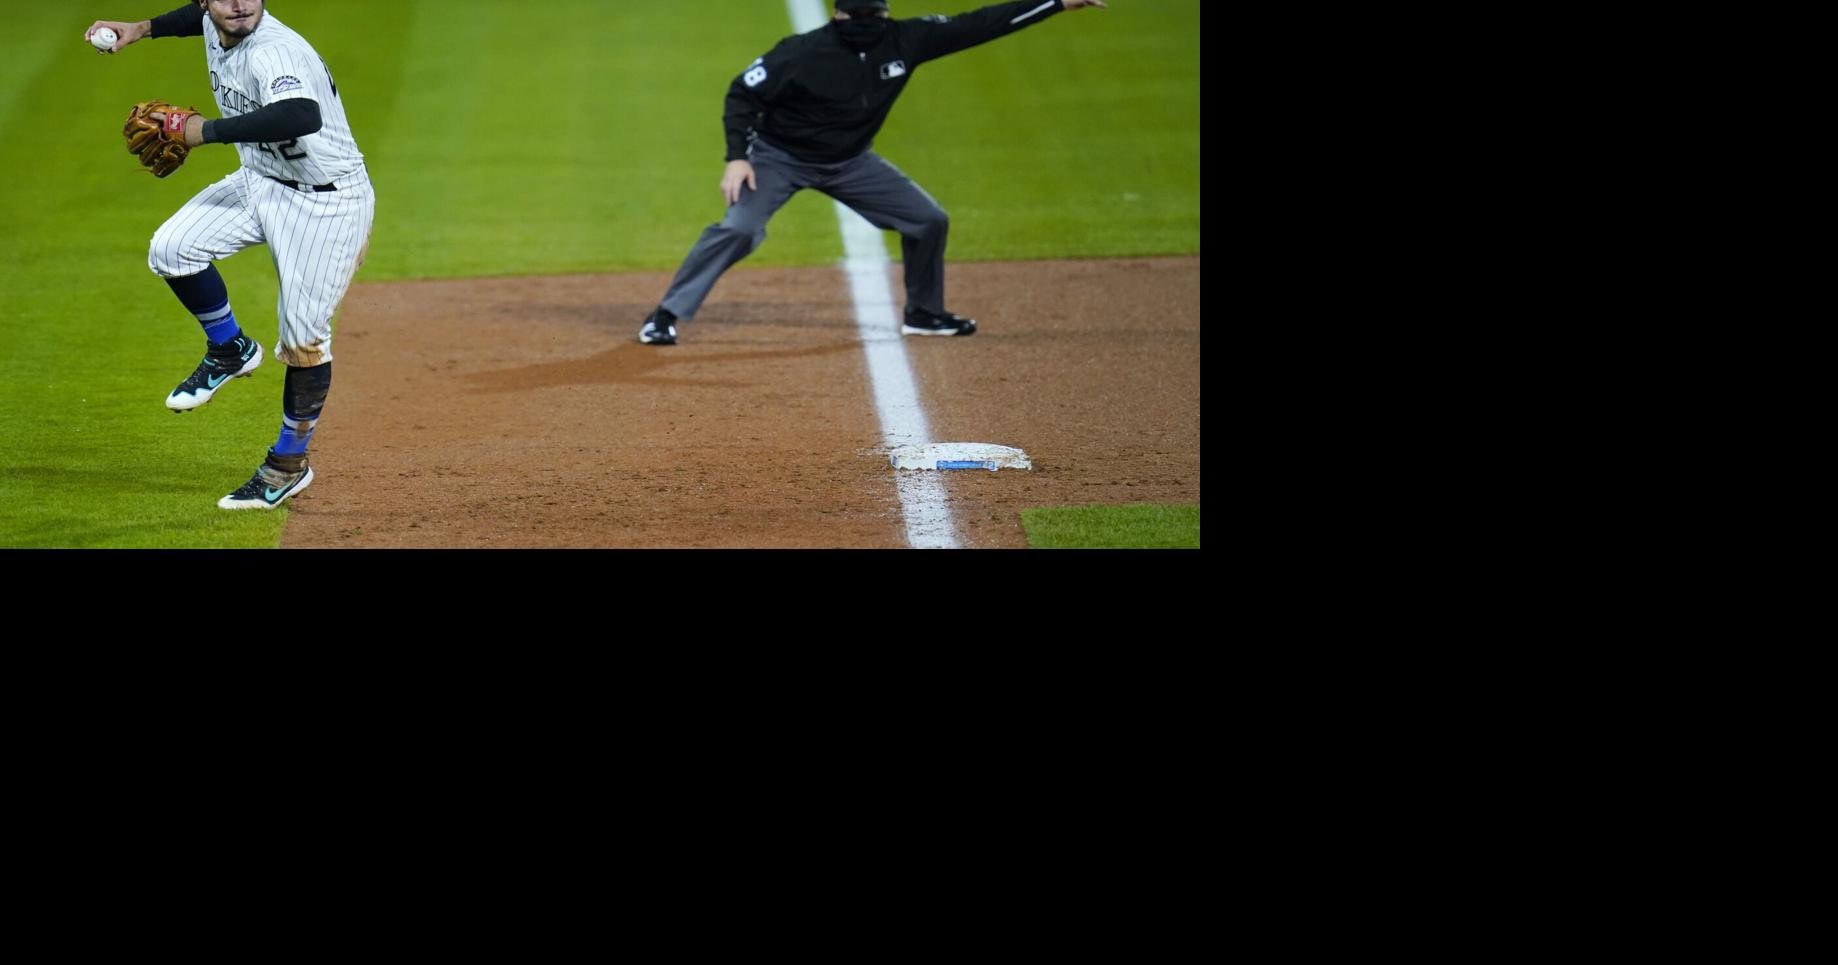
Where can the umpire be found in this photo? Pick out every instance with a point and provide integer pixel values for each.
(805, 116)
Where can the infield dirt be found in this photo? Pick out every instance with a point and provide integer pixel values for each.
(522, 412)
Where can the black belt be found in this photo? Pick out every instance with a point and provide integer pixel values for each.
(321, 188)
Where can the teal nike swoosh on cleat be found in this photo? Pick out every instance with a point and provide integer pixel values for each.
(271, 494)
(215, 381)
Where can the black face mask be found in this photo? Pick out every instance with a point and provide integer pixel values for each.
(863, 33)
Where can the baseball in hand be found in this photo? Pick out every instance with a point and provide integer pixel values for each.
(104, 38)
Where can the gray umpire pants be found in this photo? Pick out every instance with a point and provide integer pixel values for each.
(867, 183)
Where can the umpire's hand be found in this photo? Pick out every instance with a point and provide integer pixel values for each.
(738, 173)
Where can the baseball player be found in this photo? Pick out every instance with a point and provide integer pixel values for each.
(302, 190)
(805, 116)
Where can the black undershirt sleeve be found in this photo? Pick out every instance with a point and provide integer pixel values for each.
(187, 21)
(279, 121)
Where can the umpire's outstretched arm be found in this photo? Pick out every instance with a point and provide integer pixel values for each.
(935, 38)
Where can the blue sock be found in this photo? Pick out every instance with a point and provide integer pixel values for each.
(296, 434)
(302, 399)
(206, 297)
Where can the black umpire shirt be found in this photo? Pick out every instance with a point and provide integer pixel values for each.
(823, 102)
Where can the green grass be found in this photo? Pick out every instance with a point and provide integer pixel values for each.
(1079, 137)
(574, 136)
(1113, 527)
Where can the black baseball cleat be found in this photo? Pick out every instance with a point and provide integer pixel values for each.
(237, 358)
(269, 487)
(921, 322)
(659, 328)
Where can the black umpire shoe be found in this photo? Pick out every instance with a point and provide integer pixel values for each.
(234, 359)
(659, 328)
(921, 322)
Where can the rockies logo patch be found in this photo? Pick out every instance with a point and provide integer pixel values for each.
(895, 69)
(285, 83)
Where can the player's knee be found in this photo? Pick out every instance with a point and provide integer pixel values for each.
(157, 258)
(167, 259)
(296, 354)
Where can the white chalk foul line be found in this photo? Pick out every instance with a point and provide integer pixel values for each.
(896, 396)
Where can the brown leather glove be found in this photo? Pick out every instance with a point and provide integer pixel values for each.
(158, 141)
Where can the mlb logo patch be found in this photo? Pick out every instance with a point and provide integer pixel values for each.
(895, 69)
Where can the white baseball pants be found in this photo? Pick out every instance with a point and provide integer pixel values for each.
(318, 240)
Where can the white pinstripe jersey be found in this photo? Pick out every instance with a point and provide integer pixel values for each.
(274, 64)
